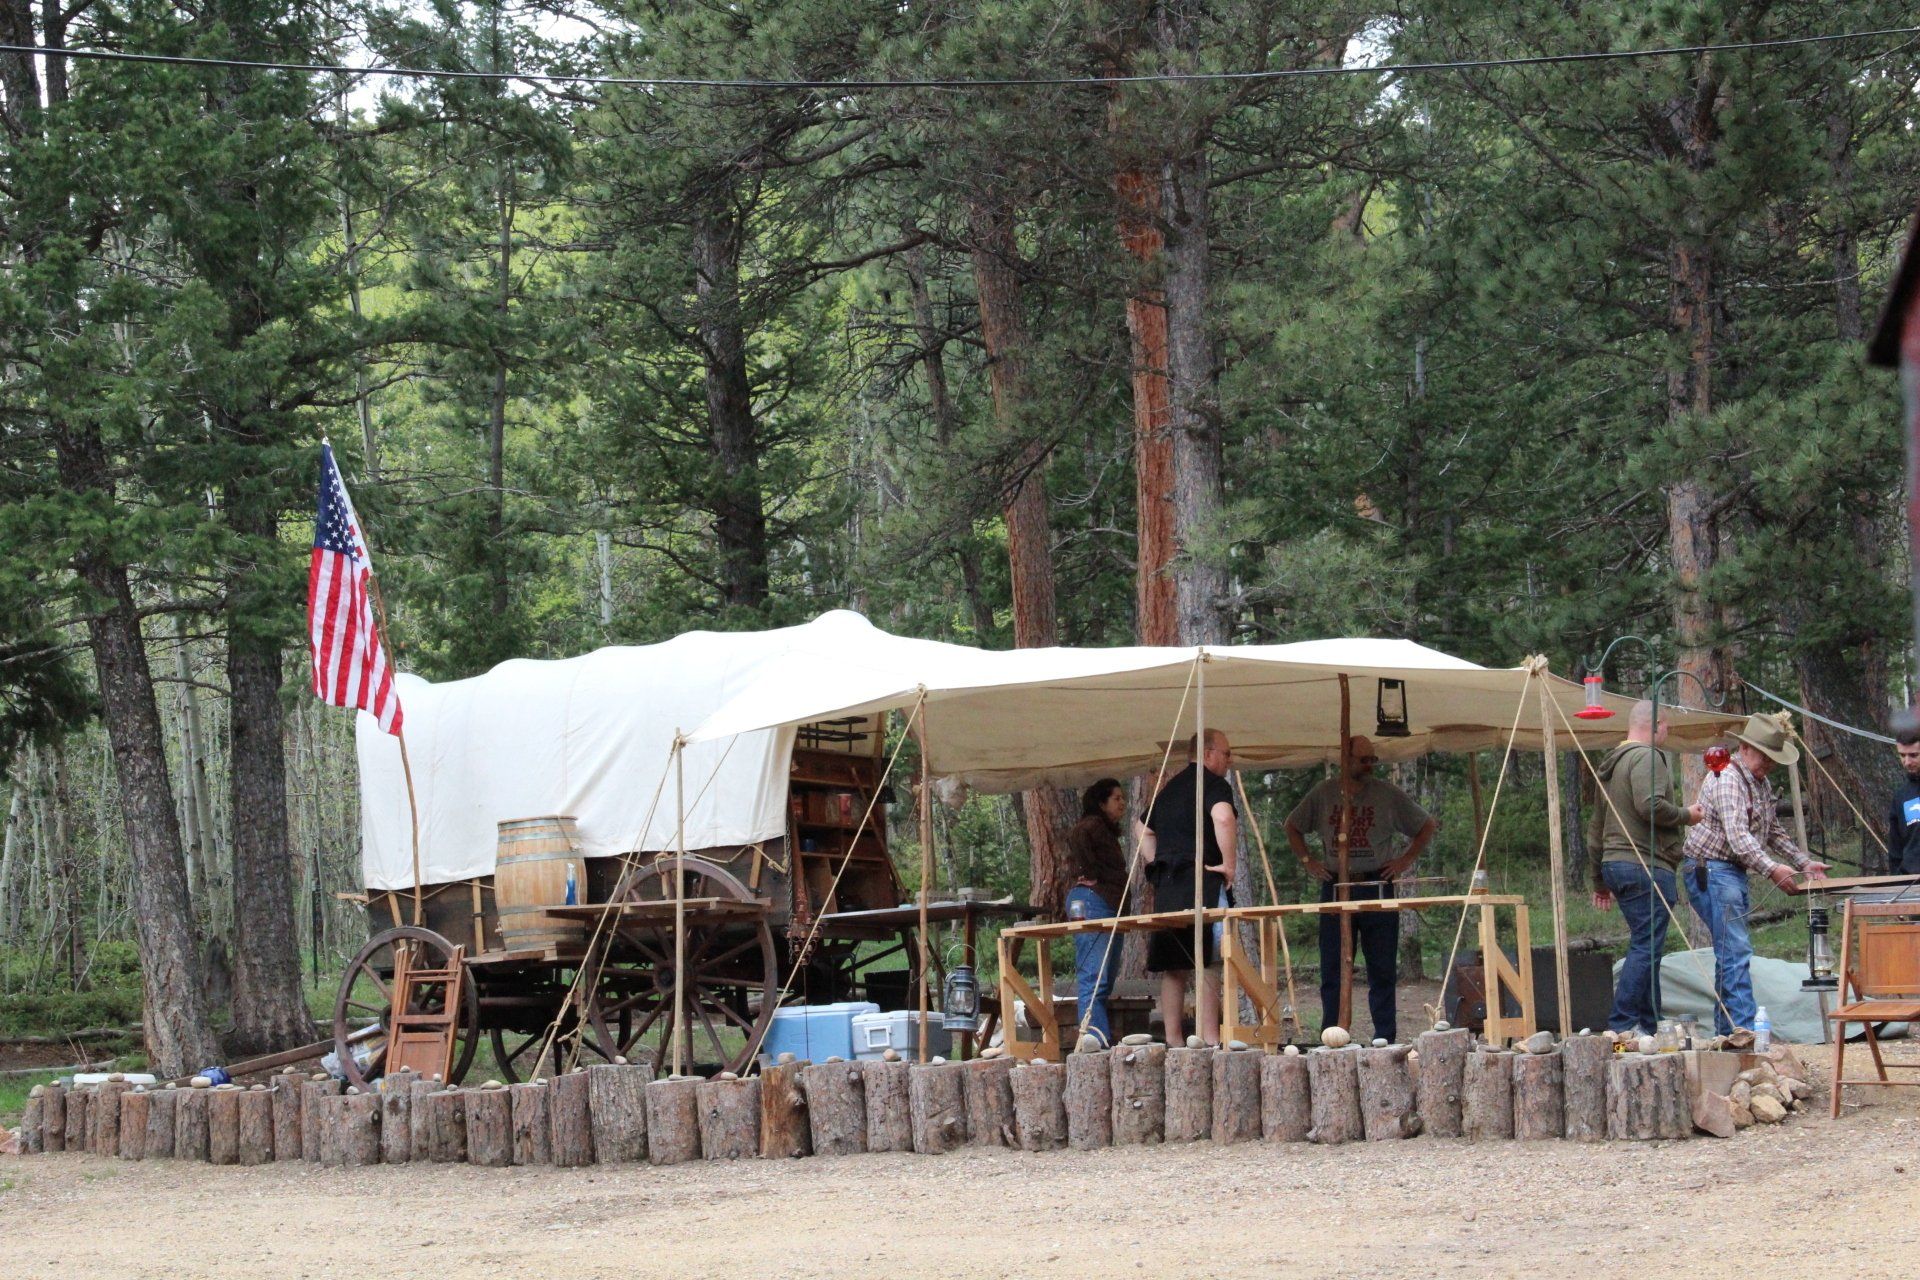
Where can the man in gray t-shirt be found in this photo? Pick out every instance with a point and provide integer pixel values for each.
(1383, 816)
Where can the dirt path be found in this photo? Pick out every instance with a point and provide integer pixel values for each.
(1798, 1200)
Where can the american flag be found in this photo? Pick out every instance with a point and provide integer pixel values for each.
(349, 664)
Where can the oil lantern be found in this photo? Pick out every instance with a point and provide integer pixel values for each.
(960, 999)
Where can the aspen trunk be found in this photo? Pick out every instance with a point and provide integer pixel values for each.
(785, 1131)
(1089, 1100)
(989, 1092)
(135, 1108)
(1236, 1096)
(1286, 1099)
(223, 1126)
(730, 1118)
(1189, 1086)
(1387, 1109)
(1040, 1105)
(937, 1094)
(617, 1100)
(1489, 1095)
(489, 1123)
(1539, 1096)
(1334, 1086)
(162, 1109)
(189, 1124)
(673, 1121)
(532, 1126)
(1139, 1094)
(1443, 1072)
(569, 1107)
(835, 1107)
(889, 1105)
(1584, 1083)
(256, 1126)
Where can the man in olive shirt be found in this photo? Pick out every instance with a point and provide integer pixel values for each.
(1382, 815)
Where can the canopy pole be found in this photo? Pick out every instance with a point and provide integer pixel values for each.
(1799, 811)
(1556, 861)
(1343, 888)
(1199, 834)
(679, 903)
(926, 873)
(1473, 785)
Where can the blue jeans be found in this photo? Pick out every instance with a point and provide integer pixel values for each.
(1096, 963)
(1724, 908)
(1644, 899)
(1376, 935)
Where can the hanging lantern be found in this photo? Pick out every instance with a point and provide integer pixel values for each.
(1390, 709)
(1717, 758)
(1819, 953)
(1596, 707)
(960, 999)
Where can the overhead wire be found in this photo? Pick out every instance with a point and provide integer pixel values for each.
(879, 84)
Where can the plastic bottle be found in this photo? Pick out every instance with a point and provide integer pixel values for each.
(573, 888)
(1762, 1030)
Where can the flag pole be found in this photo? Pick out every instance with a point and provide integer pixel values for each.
(406, 765)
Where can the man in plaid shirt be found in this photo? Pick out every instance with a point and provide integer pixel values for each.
(1740, 832)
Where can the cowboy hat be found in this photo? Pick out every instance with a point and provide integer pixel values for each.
(1768, 736)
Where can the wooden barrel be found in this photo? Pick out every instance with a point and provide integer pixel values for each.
(530, 875)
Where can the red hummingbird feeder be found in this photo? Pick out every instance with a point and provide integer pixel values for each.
(1595, 709)
(1717, 758)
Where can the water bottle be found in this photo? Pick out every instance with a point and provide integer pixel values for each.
(1762, 1030)
(573, 888)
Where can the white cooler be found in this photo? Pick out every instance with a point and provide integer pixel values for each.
(875, 1033)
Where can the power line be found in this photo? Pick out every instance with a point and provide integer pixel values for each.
(1022, 82)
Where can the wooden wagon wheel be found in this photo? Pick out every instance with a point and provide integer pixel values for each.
(366, 991)
(517, 1050)
(729, 961)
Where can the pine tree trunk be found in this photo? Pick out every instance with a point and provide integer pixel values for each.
(1443, 1069)
(1089, 1099)
(740, 520)
(1334, 1086)
(836, 1107)
(989, 1090)
(1286, 1098)
(1189, 1088)
(1039, 1105)
(889, 1106)
(489, 1128)
(1236, 1096)
(1584, 1087)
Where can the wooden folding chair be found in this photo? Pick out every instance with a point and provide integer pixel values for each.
(1879, 982)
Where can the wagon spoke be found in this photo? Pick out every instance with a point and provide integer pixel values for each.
(732, 951)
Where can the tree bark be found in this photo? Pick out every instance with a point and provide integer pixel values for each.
(1139, 1094)
(313, 1132)
(673, 1121)
(356, 1138)
(135, 1108)
(1387, 1108)
(785, 1131)
(223, 1126)
(730, 1119)
(1334, 1083)
(989, 1090)
(1489, 1095)
(739, 507)
(489, 1128)
(570, 1111)
(1443, 1069)
(937, 1095)
(994, 255)
(74, 1131)
(1040, 1106)
(1286, 1098)
(1189, 1089)
(446, 1111)
(1236, 1096)
(53, 1120)
(162, 1108)
(1584, 1062)
(396, 1117)
(617, 1100)
(189, 1124)
(1647, 1097)
(836, 1107)
(1539, 1095)
(256, 1126)
(1089, 1100)
(418, 1141)
(532, 1126)
(889, 1106)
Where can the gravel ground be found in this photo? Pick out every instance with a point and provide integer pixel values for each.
(1811, 1197)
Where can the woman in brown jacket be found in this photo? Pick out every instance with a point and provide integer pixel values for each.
(1097, 876)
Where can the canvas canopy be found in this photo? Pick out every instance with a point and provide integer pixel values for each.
(1005, 721)
(592, 737)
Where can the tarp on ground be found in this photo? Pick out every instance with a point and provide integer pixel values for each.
(1686, 991)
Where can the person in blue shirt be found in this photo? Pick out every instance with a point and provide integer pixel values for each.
(1903, 815)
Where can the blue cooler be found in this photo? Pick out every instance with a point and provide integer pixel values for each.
(814, 1032)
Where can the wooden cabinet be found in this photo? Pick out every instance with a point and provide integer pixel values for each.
(834, 821)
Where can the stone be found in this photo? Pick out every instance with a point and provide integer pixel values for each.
(1742, 1115)
(1538, 1042)
(1136, 1038)
(1193, 1042)
(1741, 1093)
(1379, 1042)
(891, 1055)
(1291, 1051)
(200, 1082)
(1336, 1038)
(1443, 1025)
(1713, 1113)
(1088, 1043)
(994, 1051)
(1768, 1110)
(1770, 1092)
(787, 1059)
(1238, 1045)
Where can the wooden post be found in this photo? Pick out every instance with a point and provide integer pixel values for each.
(396, 1116)
(784, 1129)
(103, 1120)
(1189, 1090)
(835, 1110)
(1556, 856)
(1443, 1070)
(1539, 1095)
(1647, 1097)
(356, 1130)
(1286, 1099)
(1089, 1100)
(161, 1105)
(532, 1125)
(53, 1120)
(1343, 888)
(680, 1029)
(730, 1119)
(489, 1121)
(1200, 904)
(312, 1131)
(926, 876)
(33, 1122)
(1236, 1096)
(1040, 1105)
(189, 1124)
(446, 1112)
(223, 1125)
(256, 1126)
(1489, 1095)
(673, 1121)
(988, 1085)
(1799, 810)
(617, 1102)
(284, 1093)
(889, 1105)
(1139, 1094)
(1334, 1076)
(135, 1106)
(937, 1098)
(1583, 1064)
(1386, 1094)
(419, 1137)
(74, 1131)
(570, 1110)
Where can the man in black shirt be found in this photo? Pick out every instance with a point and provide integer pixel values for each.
(1903, 815)
(1165, 839)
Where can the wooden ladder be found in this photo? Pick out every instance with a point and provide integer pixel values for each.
(426, 1014)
